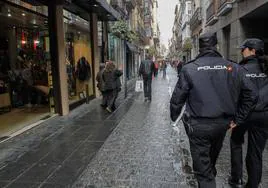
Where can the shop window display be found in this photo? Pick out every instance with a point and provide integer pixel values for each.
(29, 79)
(24, 56)
(78, 58)
(24, 66)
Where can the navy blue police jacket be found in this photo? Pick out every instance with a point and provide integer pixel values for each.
(213, 87)
(259, 79)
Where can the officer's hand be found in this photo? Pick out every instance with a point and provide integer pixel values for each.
(232, 125)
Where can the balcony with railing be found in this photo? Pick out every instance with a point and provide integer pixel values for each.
(119, 6)
(139, 2)
(130, 4)
(141, 31)
(212, 17)
(185, 20)
(196, 19)
(224, 7)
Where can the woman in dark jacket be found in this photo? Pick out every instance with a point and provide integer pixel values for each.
(257, 123)
(110, 78)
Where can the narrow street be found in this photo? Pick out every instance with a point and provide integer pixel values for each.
(136, 146)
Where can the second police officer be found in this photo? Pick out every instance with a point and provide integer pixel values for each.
(212, 88)
(257, 124)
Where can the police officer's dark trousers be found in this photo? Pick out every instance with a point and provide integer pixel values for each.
(236, 142)
(257, 137)
(206, 137)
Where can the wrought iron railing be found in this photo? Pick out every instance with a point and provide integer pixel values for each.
(210, 11)
(196, 18)
(223, 2)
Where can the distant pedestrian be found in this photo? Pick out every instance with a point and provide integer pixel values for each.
(183, 61)
(110, 76)
(156, 66)
(164, 67)
(101, 86)
(211, 87)
(179, 67)
(146, 70)
(257, 124)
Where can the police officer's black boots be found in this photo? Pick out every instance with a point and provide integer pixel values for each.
(236, 183)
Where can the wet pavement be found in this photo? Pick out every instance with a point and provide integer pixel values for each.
(136, 146)
(143, 150)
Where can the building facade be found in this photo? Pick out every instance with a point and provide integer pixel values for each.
(236, 20)
(179, 46)
(232, 20)
(175, 43)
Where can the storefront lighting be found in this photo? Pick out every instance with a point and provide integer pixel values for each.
(95, 5)
(23, 14)
(9, 14)
(36, 41)
(23, 42)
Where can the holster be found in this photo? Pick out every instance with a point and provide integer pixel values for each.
(186, 119)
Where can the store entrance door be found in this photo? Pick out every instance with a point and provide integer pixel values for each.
(24, 70)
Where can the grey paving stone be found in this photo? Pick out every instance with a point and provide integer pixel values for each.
(140, 152)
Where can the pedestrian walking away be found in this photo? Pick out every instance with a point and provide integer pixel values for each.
(110, 77)
(211, 87)
(256, 63)
(156, 66)
(179, 67)
(100, 85)
(164, 67)
(146, 70)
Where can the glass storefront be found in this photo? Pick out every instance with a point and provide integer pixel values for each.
(78, 57)
(24, 66)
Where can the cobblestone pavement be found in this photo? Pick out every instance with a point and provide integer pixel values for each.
(147, 150)
(135, 147)
(57, 151)
(144, 149)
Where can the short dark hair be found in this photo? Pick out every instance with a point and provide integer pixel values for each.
(208, 40)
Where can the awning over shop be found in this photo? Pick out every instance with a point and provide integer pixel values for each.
(132, 47)
(109, 9)
(103, 9)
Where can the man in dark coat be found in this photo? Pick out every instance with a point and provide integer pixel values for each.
(146, 70)
(212, 89)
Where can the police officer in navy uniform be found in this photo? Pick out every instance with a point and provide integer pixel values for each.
(212, 88)
(257, 124)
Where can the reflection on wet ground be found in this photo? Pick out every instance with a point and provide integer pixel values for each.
(144, 150)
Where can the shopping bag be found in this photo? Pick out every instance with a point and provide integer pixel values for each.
(139, 86)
